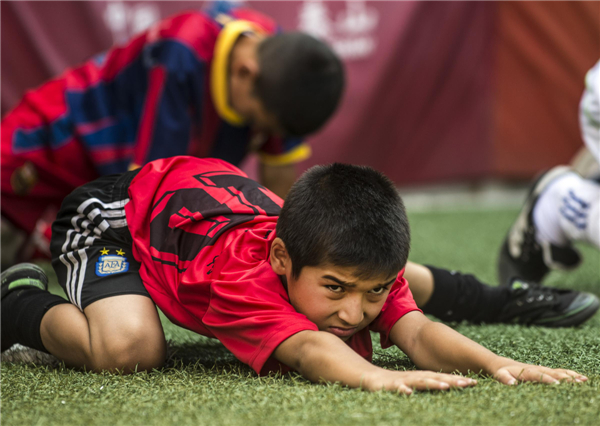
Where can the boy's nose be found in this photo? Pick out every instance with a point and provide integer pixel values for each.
(352, 313)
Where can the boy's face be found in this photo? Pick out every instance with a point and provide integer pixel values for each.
(335, 300)
(259, 118)
(331, 296)
(244, 70)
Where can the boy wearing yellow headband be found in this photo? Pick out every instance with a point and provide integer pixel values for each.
(219, 83)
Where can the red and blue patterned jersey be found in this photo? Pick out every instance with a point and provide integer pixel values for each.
(148, 99)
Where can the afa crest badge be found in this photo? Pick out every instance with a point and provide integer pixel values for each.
(111, 264)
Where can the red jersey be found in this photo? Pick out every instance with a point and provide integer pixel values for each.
(202, 231)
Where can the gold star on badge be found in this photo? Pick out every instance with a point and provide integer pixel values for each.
(120, 252)
(104, 251)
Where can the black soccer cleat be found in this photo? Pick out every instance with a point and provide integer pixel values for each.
(21, 276)
(532, 304)
(521, 255)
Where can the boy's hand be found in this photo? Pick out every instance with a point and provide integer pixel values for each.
(406, 381)
(434, 346)
(322, 357)
(511, 372)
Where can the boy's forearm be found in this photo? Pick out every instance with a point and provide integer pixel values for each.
(437, 347)
(321, 356)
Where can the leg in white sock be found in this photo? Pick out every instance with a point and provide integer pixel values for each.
(568, 210)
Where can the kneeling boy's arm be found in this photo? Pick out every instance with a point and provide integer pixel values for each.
(435, 346)
(321, 356)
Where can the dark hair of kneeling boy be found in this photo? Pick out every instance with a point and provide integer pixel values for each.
(298, 287)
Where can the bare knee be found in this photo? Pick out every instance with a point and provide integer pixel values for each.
(133, 347)
(125, 334)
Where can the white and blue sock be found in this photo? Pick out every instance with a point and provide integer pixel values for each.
(568, 211)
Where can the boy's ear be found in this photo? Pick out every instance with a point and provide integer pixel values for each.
(280, 259)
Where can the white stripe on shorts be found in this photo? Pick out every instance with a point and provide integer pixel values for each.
(75, 264)
(83, 255)
(117, 212)
(119, 223)
(110, 206)
(68, 284)
(106, 213)
(75, 270)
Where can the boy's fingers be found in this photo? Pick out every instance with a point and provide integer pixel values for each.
(574, 375)
(561, 376)
(424, 384)
(547, 375)
(432, 384)
(460, 382)
(540, 375)
(402, 388)
(504, 377)
(568, 376)
(453, 380)
(429, 382)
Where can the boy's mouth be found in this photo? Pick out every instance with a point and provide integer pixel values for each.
(342, 332)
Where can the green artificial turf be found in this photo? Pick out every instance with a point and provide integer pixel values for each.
(203, 384)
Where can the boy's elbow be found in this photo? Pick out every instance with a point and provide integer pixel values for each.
(424, 342)
(409, 330)
(306, 351)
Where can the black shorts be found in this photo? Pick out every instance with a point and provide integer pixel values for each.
(91, 243)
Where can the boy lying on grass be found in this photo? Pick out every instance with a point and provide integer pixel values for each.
(297, 287)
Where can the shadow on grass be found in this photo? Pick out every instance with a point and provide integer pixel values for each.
(207, 353)
(201, 354)
(393, 361)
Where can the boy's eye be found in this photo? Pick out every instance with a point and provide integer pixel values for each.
(378, 290)
(335, 288)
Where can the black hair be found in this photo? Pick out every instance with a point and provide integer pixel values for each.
(300, 81)
(348, 216)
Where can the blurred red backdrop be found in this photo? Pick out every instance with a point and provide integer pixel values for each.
(437, 91)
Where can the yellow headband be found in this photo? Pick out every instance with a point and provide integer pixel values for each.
(219, 69)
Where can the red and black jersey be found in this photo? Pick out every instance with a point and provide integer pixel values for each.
(202, 231)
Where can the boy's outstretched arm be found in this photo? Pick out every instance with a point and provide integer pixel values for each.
(435, 346)
(321, 356)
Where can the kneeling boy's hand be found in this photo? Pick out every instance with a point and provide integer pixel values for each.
(406, 381)
(434, 346)
(511, 372)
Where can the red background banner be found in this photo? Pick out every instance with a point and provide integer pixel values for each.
(437, 91)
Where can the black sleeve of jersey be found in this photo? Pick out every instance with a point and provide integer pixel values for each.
(185, 202)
